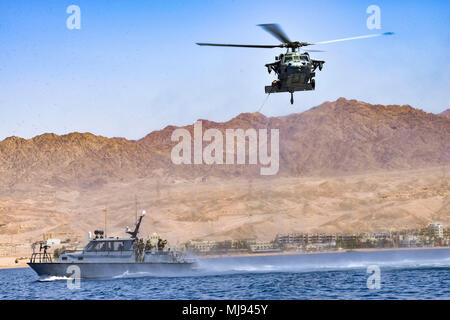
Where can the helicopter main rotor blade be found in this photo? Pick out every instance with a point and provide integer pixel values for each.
(354, 38)
(239, 45)
(276, 31)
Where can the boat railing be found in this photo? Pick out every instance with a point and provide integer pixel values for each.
(41, 257)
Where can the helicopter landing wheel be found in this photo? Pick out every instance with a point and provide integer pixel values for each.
(292, 98)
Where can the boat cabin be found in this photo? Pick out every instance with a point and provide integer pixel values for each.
(115, 244)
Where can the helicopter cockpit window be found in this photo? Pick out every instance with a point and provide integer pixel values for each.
(287, 59)
(296, 58)
(304, 58)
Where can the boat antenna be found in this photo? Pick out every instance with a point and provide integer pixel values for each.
(106, 213)
(136, 208)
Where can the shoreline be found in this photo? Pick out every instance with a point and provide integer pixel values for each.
(236, 255)
(23, 263)
(8, 262)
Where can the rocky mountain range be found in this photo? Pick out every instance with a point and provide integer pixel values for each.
(340, 137)
(445, 113)
(345, 166)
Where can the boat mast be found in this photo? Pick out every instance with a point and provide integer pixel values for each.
(136, 209)
(106, 213)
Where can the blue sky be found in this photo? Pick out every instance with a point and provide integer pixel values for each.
(133, 67)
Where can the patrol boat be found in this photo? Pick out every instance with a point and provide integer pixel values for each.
(113, 257)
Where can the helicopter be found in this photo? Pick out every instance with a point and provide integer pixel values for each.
(295, 69)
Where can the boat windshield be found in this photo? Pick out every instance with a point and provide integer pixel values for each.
(119, 245)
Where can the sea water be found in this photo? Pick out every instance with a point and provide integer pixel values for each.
(403, 274)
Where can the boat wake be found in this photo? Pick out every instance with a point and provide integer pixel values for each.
(300, 263)
(52, 278)
(128, 274)
(326, 262)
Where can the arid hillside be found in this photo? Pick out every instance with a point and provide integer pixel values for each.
(345, 166)
(340, 137)
(445, 113)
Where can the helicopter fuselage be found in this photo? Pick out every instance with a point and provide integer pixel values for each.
(295, 71)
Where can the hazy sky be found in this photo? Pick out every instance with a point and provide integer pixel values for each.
(133, 67)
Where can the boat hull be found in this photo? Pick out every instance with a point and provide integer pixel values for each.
(111, 270)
